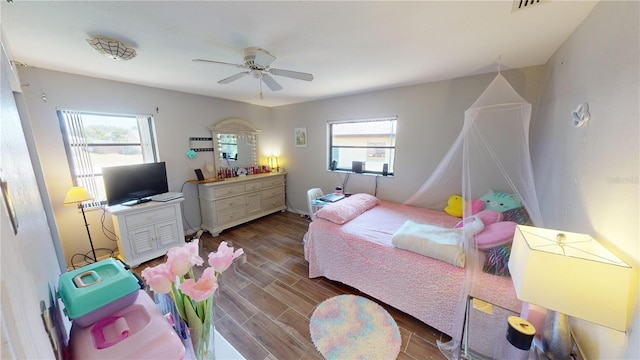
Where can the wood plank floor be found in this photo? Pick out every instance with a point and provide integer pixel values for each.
(265, 303)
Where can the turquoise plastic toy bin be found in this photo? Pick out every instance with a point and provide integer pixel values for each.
(94, 291)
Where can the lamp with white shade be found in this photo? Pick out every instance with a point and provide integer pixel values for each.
(569, 274)
(78, 195)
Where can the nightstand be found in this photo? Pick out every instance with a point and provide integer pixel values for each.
(485, 329)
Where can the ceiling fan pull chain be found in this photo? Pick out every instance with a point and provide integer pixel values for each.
(261, 89)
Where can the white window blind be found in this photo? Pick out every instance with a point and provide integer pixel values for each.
(96, 140)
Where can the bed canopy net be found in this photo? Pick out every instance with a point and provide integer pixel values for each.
(488, 162)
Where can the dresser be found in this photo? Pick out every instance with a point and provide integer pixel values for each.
(147, 231)
(234, 201)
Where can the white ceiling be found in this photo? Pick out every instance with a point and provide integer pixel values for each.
(349, 47)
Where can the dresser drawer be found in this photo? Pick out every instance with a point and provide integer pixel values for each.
(231, 216)
(275, 181)
(272, 203)
(147, 217)
(230, 203)
(253, 186)
(254, 203)
(275, 192)
(228, 190)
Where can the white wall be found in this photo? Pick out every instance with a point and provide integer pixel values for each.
(178, 117)
(430, 117)
(587, 178)
(29, 266)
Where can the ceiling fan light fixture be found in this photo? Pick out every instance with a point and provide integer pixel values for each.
(257, 63)
(113, 49)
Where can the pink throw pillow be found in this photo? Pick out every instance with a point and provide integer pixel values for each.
(494, 235)
(348, 208)
(476, 206)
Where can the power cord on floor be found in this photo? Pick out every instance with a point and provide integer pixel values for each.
(87, 259)
(108, 233)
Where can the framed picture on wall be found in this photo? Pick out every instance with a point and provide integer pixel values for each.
(300, 136)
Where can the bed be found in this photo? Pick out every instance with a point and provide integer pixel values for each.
(359, 253)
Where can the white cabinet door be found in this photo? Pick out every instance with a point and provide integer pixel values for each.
(167, 234)
(148, 230)
(142, 240)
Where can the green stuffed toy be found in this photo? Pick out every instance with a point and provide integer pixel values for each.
(454, 207)
(499, 201)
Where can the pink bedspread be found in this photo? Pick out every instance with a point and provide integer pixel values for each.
(360, 254)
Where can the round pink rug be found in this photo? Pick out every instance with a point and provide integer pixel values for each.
(354, 327)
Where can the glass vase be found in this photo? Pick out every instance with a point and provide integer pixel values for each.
(201, 342)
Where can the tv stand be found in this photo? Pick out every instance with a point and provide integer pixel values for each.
(148, 230)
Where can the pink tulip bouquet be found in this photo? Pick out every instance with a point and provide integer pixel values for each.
(193, 297)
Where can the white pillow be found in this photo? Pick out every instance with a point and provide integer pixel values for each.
(440, 243)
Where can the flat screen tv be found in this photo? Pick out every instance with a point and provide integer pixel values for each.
(132, 183)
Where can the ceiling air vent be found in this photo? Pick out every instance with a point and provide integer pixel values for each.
(524, 4)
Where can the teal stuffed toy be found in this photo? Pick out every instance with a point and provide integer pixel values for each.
(500, 201)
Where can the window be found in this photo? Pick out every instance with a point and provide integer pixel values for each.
(93, 141)
(372, 141)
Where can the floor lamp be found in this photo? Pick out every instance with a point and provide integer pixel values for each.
(569, 274)
(78, 195)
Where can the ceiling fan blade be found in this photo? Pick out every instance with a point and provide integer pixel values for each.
(233, 77)
(218, 62)
(272, 84)
(291, 74)
(263, 58)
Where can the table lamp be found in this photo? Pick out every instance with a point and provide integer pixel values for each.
(569, 274)
(78, 195)
(273, 163)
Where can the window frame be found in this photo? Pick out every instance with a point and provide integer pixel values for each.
(86, 177)
(333, 149)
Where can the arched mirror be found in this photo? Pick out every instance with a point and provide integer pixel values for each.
(235, 142)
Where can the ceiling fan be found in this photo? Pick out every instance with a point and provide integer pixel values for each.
(257, 63)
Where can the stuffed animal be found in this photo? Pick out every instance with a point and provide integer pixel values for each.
(487, 217)
(456, 204)
(476, 206)
(496, 234)
(472, 225)
(493, 233)
(500, 201)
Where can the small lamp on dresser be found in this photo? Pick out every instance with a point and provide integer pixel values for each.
(569, 274)
(273, 163)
